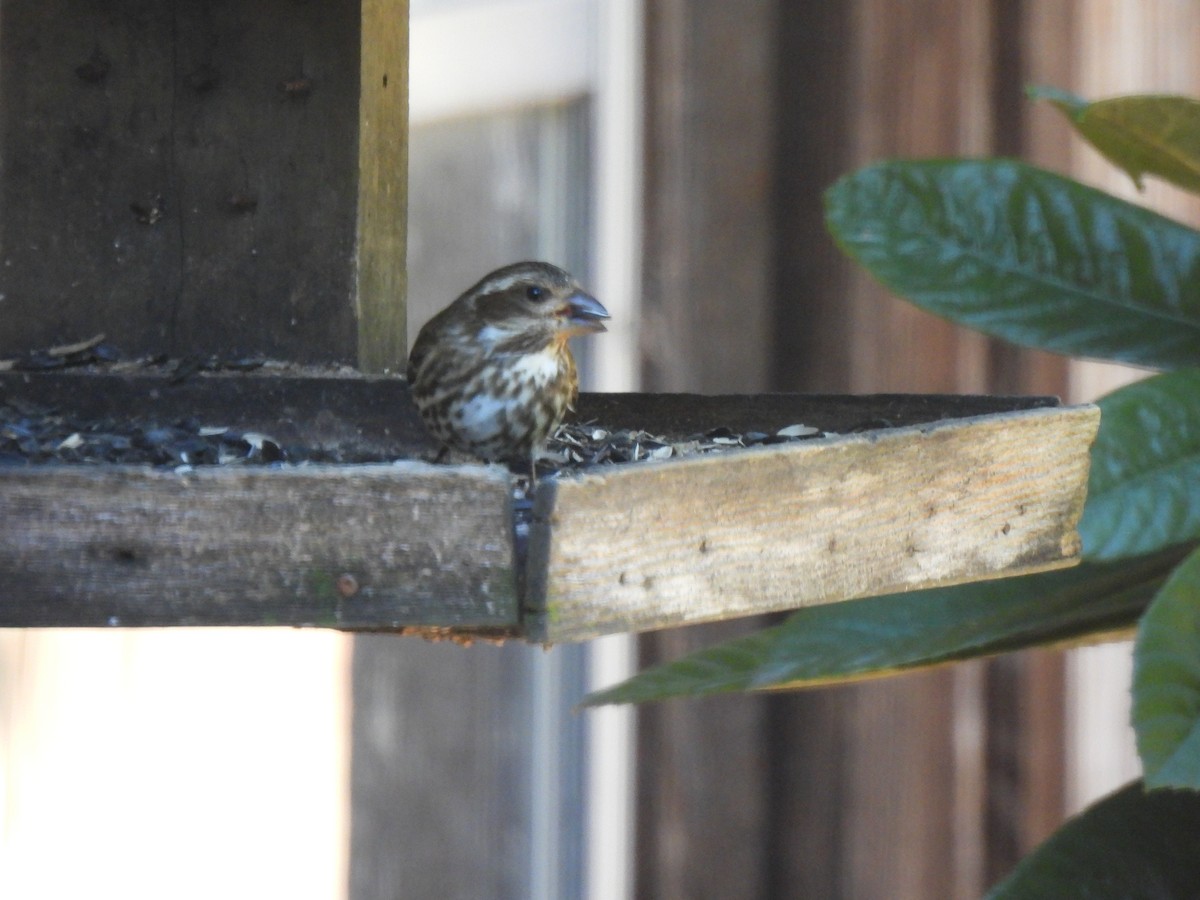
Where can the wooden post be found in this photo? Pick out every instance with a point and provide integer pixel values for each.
(217, 179)
(383, 187)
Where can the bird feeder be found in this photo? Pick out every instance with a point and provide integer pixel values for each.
(898, 493)
(192, 180)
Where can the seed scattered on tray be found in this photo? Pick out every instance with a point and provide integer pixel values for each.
(31, 434)
(587, 444)
(797, 431)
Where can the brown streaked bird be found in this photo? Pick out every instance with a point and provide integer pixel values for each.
(492, 374)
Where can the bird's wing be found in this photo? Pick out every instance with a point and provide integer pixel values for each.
(416, 356)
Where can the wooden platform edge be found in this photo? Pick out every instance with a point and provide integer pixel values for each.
(786, 526)
(352, 547)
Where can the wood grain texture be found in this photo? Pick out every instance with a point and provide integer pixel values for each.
(1023, 701)
(382, 186)
(787, 526)
(939, 107)
(93, 546)
(182, 176)
(710, 145)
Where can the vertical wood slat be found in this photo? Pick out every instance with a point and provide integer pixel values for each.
(1024, 694)
(702, 781)
(710, 151)
(806, 733)
(381, 277)
(438, 771)
(1026, 760)
(813, 330)
(920, 90)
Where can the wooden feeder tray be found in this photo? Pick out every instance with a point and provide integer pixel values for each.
(906, 492)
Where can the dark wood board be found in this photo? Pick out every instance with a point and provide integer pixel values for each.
(187, 172)
(386, 547)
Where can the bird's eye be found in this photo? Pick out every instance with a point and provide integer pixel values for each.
(535, 293)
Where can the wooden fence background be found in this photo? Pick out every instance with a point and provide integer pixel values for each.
(929, 785)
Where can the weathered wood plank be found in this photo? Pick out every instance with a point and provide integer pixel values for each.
(382, 186)
(348, 547)
(182, 176)
(786, 526)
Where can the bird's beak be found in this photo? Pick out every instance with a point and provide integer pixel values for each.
(583, 313)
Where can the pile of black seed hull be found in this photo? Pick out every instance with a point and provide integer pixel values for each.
(588, 444)
(33, 434)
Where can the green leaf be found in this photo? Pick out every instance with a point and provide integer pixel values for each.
(1166, 682)
(1144, 484)
(1028, 256)
(1131, 845)
(881, 635)
(1155, 134)
(726, 667)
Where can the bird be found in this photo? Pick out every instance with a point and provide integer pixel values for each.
(492, 374)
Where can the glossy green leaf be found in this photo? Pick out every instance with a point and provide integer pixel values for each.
(725, 667)
(900, 632)
(1144, 484)
(1166, 682)
(1028, 256)
(1153, 134)
(1132, 845)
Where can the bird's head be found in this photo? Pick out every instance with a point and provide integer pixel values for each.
(534, 303)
